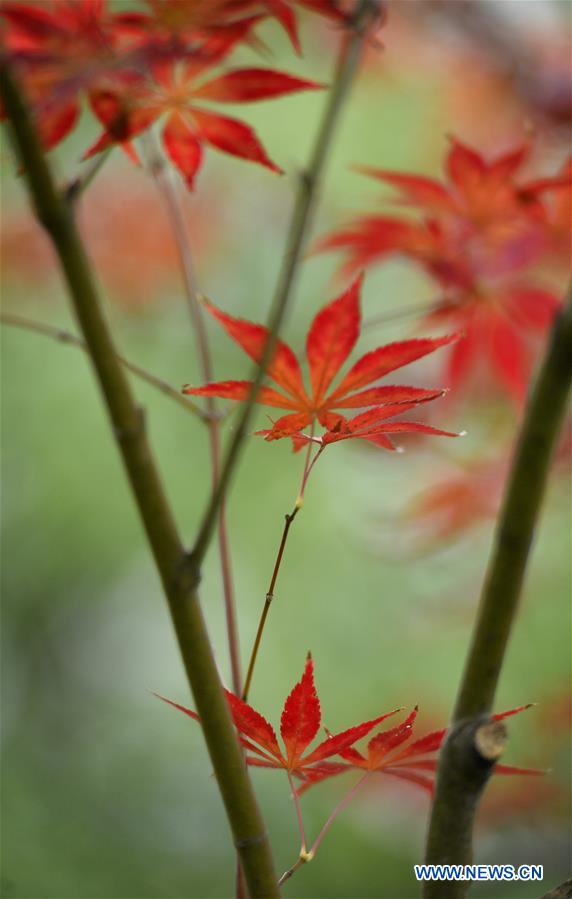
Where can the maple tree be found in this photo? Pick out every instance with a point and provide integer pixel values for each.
(494, 241)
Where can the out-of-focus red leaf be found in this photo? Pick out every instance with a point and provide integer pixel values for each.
(331, 338)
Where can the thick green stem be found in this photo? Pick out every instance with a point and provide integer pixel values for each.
(179, 573)
(308, 191)
(462, 775)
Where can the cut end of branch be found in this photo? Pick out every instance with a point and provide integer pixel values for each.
(490, 740)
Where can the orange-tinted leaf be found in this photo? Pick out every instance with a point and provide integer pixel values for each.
(332, 337)
(240, 390)
(183, 147)
(300, 719)
(176, 705)
(386, 359)
(336, 743)
(246, 85)
(511, 769)
(499, 716)
(384, 742)
(415, 189)
(251, 723)
(286, 426)
(464, 165)
(233, 137)
(424, 782)
(283, 368)
(429, 743)
(387, 394)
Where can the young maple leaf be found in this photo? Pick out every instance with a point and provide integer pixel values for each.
(172, 90)
(299, 725)
(480, 232)
(417, 762)
(331, 338)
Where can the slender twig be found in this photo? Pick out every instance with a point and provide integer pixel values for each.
(288, 519)
(76, 187)
(179, 573)
(62, 336)
(180, 233)
(308, 189)
(339, 808)
(299, 818)
(456, 797)
(268, 602)
(308, 855)
(408, 312)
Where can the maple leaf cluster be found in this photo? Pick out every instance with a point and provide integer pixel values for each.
(478, 236)
(139, 67)
(386, 752)
(331, 338)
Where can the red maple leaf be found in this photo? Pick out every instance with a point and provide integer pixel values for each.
(210, 27)
(299, 725)
(331, 338)
(451, 505)
(481, 232)
(172, 90)
(213, 18)
(417, 762)
(60, 48)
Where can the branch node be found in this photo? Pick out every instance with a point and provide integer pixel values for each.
(490, 740)
(256, 840)
(188, 575)
(133, 431)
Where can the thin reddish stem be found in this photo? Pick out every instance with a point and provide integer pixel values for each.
(307, 464)
(296, 799)
(310, 467)
(307, 855)
(339, 808)
(180, 232)
(288, 519)
(268, 601)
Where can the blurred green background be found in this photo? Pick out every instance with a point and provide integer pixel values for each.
(108, 794)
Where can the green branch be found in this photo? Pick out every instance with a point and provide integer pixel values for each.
(308, 191)
(62, 336)
(178, 573)
(457, 795)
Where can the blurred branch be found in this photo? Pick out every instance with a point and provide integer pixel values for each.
(179, 573)
(365, 13)
(564, 891)
(76, 187)
(462, 775)
(394, 315)
(178, 226)
(27, 324)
